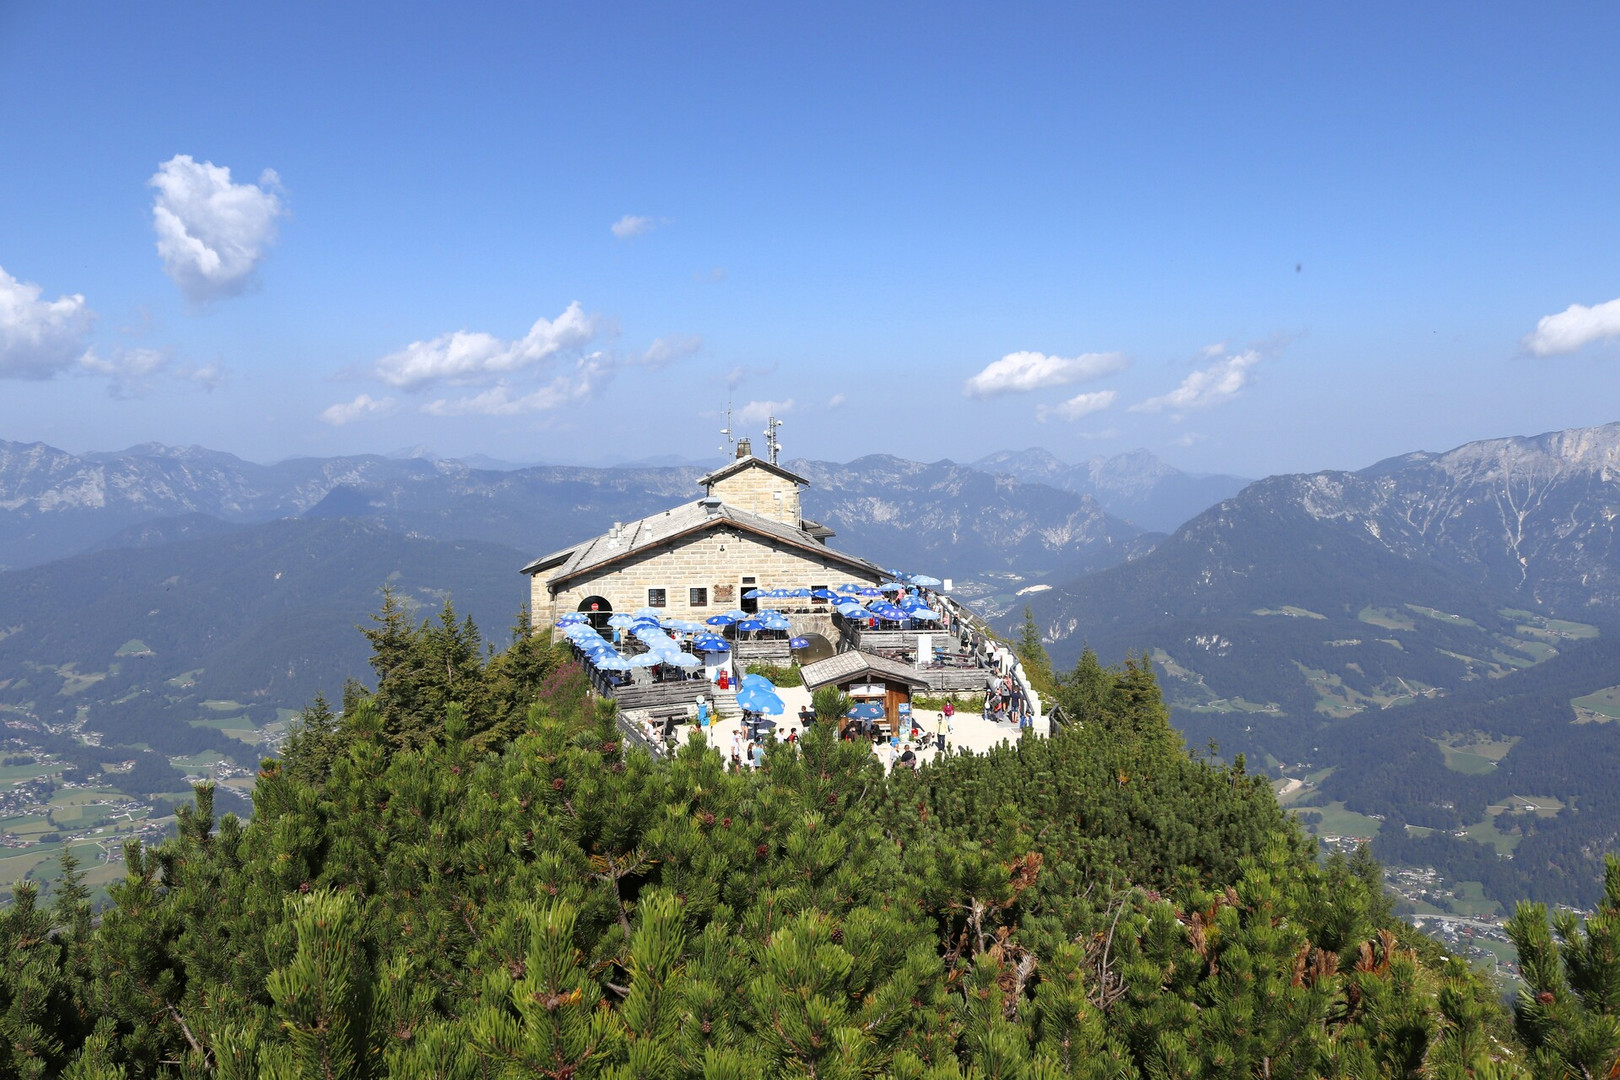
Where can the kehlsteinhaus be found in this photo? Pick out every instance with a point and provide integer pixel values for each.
(670, 611)
(695, 560)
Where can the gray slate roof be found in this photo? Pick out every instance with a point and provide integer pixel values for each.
(847, 665)
(638, 536)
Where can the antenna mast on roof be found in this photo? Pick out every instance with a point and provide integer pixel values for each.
(772, 444)
(726, 431)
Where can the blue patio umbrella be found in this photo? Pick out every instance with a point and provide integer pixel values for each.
(798, 643)
(573, 618)
(797, 594)
(720, 620)
(823, 594)
(736, 613)
(711, 643)
(925, 581)
(868, 591)
(891, 586)
(646, 659)
(748, 626)
(754, 594)
(620, 620)
(758, 699)
(775, 620)
(925, 614)
(684, 660)
(611, 661)
(750, 679)
(648, 613)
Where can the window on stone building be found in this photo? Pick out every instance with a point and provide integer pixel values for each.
(656, 598)
(697, 597)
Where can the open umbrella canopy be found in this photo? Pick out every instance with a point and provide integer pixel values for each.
(750, 679)
(736, 613)
(750, 625)
(720, 620)
(573, 618)
(925, 581)
(798, 643)
(685, 660)
(920, 612)
(646, 659)
(868, 591)
(760, 700)
(891, 586)
(683, 626)
(648, 613)
(889, 611)
(711, 643)
(774, 620)
(754, 594)
(867, 710)
(620, 620)
(611, 661)
(823, 594)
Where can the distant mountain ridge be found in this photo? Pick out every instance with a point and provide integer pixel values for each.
(959, 520)
(1136, 486)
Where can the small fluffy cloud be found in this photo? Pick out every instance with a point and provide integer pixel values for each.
(212, 233)
(559, 362)
(468, 356)
(501, 400)
(1077, 406)
(836, 400)
(741, 374)
(362, 407)
(666, 350)
(132, 373)
(758, 411)
(1036, 371)
(39, 338)
(1573, 328)
(632, 225)
(1214, 385)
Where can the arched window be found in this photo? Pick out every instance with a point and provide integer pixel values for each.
(596, 609)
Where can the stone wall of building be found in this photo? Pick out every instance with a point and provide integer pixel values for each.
(761, 492)
(717, 561)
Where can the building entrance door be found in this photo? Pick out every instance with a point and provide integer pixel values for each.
(596, 610)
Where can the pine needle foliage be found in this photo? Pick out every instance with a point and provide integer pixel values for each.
(465, 875)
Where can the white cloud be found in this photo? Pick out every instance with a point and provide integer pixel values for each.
(632, 225)
(1077, 406)
(1035, 371)
(756, 412)
(1213, 385)
(836, 400)
(361, 407)
(1188, 439)
(212, 233)
(471, 356)
(1573, 328)
(667, 350)
(501, 400)
(129, 372)
(39, 338)
(741, 374)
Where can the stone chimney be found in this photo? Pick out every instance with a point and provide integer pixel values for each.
(744, 449)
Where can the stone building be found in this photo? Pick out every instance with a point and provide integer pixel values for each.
(698, 559)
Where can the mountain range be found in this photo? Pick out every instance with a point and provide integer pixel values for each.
(1319, 622)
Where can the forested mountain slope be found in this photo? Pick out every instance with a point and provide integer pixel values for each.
(468, 891)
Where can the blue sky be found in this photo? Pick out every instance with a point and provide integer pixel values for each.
(1300, 238)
